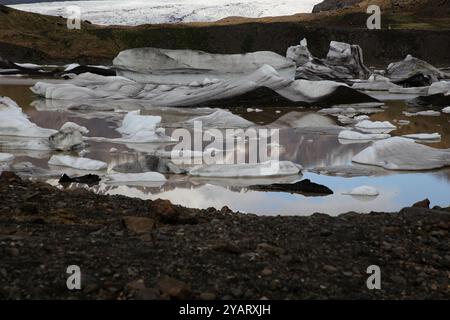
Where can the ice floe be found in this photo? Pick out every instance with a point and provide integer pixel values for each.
(135, 177)
(367, 191)
(429, 113)
(399, 153)
(6, 157)
(353, 135)
(375, 126)
(69, 137)
(439, 87)
(220, 119)
(343, 61)
(423, 136)
(256, 170)
(277, 84)
(162, 66)
(137, 128)
(411, 67)
(446, 110)
(77, 163)
(375, 82)
(13, 122)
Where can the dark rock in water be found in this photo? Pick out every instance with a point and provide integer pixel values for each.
(413, 70)
(95, 70)
(422, 204)
(437, 100)
(304, 187)
(343, 62)
(417, 80)
(150, 163)
(89, 179)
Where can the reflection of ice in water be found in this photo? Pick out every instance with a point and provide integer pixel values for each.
(311, 147)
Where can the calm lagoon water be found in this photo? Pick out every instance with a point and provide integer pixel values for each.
(311, 148)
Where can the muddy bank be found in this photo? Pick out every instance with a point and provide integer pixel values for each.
(129, 248)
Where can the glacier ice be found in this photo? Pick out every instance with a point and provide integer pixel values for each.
(368, 191)
(69, 137)
(6, 157)
(247, 170)
(182, 67)
(399, 153)
(13, 122)
(77, 163)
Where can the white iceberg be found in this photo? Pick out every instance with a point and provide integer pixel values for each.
(367, 191)
(426, 113)
(446, 110)
(375, 82)
(220, 119)
(353, 135)
(256, 170)
(6, 157)
(375, 126)
(163, 66)
(69, 137)
(77, 163)
(399, 153)
(13, 122)
(439, 87)
(423, 136)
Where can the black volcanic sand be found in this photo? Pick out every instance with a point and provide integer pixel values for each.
(134, 249)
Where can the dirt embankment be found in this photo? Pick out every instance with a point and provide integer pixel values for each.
(128, 248)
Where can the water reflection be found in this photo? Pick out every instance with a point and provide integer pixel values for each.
(306, 137)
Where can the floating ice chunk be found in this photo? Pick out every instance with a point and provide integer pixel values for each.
(353, 135)
(28, 65)
(403, 154)
(220, 119)
(21, 144)
(411, 66)
(134, 122)
(439, 87)
(264, 169)
(423, 136)
(182, 67)
(71, 66)
(69, 137)
(446, 110)
(77, 163)
(6, 157)
(404, 122)
(367, 191)
(412, 90)
(375, 126)
(137, 128)
(13, 122)
(136, 177)
(430, 113)
(375, 83)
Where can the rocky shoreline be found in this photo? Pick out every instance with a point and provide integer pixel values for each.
(133, 249)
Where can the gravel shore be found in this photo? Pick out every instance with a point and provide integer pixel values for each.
(133, 249)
